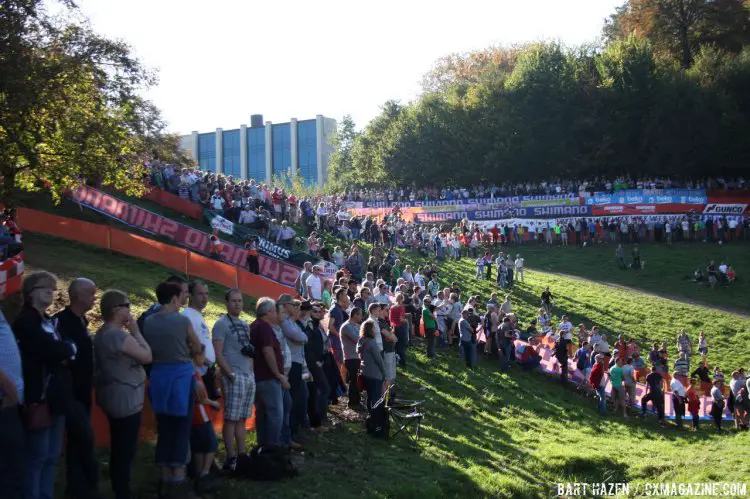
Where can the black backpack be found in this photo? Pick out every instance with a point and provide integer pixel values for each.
(265, 463)
(377, 422)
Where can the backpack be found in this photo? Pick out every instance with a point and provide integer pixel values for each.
(377, 422)
(265, 463)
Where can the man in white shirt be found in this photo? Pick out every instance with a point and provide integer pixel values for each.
(314, 285)
(247, 216)
(679, 397)
(519, 268)
(194, 311)
(217, 202)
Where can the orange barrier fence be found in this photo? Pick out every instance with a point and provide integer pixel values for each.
(169, 200)
(11, 275)
(182, 260)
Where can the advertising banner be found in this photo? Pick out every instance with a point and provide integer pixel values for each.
(266, 246)
(631, 197)
(539, 200)
(725, 209)
(183, 235)
(645, 209)
(504, 213)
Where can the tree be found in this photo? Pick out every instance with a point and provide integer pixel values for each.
(340, 163)
(679, 27)
(69, 104)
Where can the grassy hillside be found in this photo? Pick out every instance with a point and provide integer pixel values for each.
(68, 260)
(485, 434)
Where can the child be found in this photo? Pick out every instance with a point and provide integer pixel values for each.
(327, 287)
(703, 344)
(693, 406)
(480, 268)
(203, 441)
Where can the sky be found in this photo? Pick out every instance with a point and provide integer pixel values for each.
(220, 61)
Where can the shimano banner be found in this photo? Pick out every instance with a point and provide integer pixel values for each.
(504, 213)
(553, 199)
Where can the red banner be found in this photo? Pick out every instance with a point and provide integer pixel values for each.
(645, 209)
(11, 275)
(183, 235)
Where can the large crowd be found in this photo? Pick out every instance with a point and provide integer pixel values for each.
(340, 338)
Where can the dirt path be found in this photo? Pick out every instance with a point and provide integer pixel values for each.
(682, 299)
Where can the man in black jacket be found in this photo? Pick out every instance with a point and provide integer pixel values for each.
(319, 388)
(81, 468)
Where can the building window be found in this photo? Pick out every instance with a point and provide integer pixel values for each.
(231, 153)
(207, 151)
(282, 144)
(307, 152)
(256, 143)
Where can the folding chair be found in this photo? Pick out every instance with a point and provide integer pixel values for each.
(406, 416)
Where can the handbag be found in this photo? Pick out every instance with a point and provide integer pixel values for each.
(38, 416)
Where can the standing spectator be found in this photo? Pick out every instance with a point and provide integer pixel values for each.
(430, 326)
(196, 303)
(372, 366)
(349, 338)
(82, 470)
(12, 439)
(300, 284)
(398, 321)
(628, 381)
(316, 351)
(120, 351)
(678, 398)
(519, 267)
(389, 344)
(286, 354)
(598, 381)
(654, 394)
(681, 365)
(314, 285)
(47, 383)
(269, 375)
(234, 357)
(336, 317)
(173, 344)
(684, 345)
(717, 406)
(468, 338)
(296, 339)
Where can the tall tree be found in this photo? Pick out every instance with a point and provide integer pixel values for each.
(340, 164)
(679, 27)
(69, 104)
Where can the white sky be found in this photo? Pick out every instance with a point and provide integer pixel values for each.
(220, 61)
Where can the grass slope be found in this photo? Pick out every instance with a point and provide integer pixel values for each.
(138, 278)
(486, 434)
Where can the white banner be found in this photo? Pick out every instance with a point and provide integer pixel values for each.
(724, 209)
(223, 225)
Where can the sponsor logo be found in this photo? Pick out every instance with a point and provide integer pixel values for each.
(725, 209)
(544, 211)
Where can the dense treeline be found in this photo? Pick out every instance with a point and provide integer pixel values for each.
(639, 105)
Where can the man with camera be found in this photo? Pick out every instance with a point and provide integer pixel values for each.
(234, 356)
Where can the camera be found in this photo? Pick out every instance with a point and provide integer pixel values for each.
(248, 351)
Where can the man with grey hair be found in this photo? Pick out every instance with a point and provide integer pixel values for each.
(82, 472)
(270, 380)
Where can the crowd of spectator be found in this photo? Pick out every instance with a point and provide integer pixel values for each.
(10, 235)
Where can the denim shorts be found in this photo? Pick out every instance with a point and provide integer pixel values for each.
(203, 438)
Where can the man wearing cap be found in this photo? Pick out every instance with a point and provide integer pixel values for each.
(296, 339)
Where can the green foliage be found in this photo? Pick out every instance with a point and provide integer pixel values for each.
(558, 112)
(69, 104)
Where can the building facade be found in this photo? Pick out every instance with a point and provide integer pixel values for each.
(266, 151)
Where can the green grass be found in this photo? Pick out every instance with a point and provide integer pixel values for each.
(485, 434)
(138, 278)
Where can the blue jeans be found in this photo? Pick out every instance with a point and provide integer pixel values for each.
(374, 387)
(43, 449)
(601, 399)
(402, 339)
(286, 429)
(269, 410)
(506, 350)
(470, 353)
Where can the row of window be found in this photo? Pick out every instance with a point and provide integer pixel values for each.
(281, 152)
